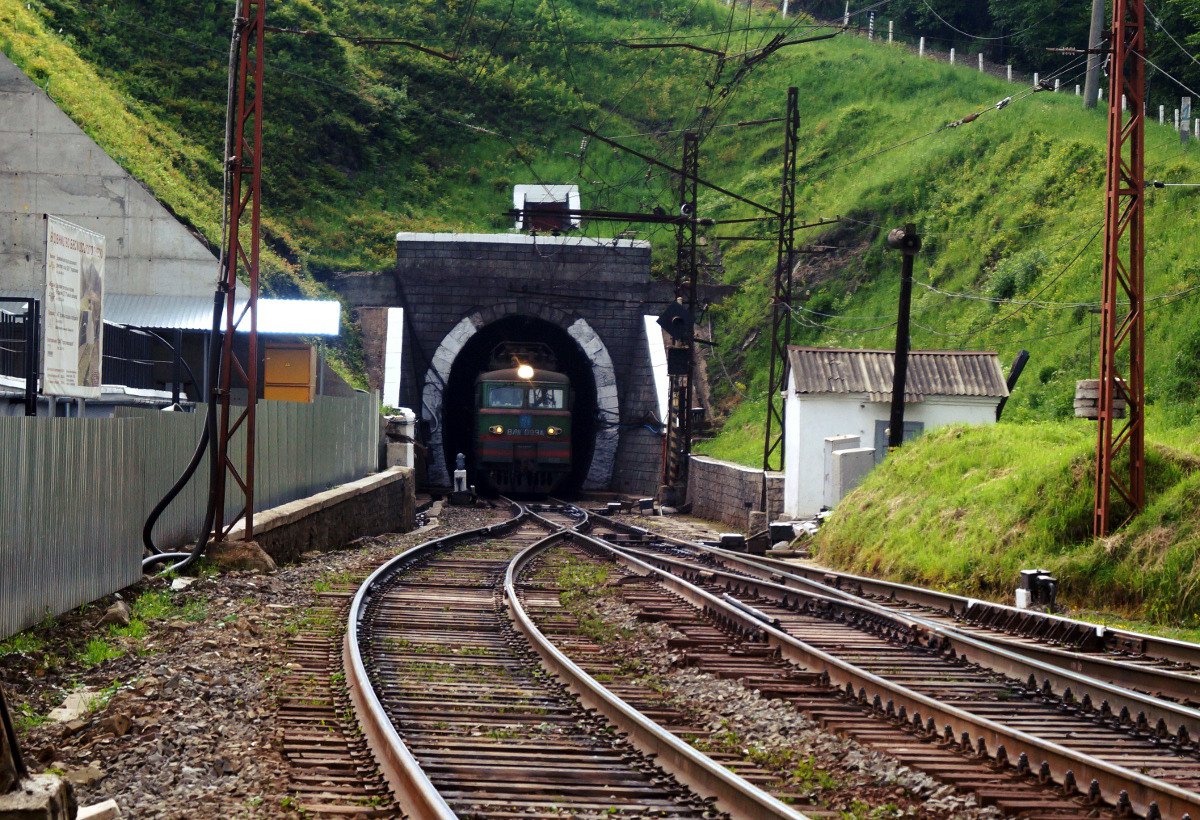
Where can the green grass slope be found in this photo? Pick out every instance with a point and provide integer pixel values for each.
(964, 509)
(362, 141)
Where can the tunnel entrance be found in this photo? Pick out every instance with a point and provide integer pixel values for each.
(458, 396)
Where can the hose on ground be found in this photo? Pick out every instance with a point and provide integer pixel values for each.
(209, 438)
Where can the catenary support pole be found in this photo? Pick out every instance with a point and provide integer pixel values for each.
(240, 372)
(908, 243)
(1091, 82)
(781, 302)
(1120, 447)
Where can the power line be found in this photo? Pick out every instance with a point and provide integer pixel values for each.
(948, 25)
(1019, 308)
(1165, 73)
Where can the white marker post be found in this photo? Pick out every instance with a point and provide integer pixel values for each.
(921, 48)
(1009, 69)
(951, 56)
(981, 61)
(891, 30)
(1185, 119)
(846, 18)
(1035, 79)
(1162, 115)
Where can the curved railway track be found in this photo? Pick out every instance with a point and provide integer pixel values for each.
(443, 668)
(479, 699)
(1132, 751)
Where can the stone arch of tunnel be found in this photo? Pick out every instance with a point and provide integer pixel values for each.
(448, 394)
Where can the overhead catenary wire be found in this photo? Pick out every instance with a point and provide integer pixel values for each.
(1009, 35)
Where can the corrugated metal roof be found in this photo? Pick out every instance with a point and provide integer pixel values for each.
(301, 317)
(817, 370)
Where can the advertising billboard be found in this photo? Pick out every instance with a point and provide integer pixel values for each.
(73, 321)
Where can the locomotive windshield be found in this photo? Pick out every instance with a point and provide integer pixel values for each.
(515, 396)
(504, 395)
(549, 398)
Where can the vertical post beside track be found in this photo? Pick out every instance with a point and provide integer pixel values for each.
(1122, 335)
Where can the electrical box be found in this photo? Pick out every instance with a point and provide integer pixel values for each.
(290, 373)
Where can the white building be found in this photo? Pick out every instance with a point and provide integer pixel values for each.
(846, 395)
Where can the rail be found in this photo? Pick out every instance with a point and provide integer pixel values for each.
(1165, 682)
(696, 770)
(1116, 783)
(412, 788)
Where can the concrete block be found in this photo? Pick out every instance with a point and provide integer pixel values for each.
(19, 190)
(50, 118)
(832, 443)
(850, 467)
(18, 150)
(40, 797)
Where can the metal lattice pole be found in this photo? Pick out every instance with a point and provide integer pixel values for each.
(781, 301)
(241, 256)
(1122, 335)
(679, 424)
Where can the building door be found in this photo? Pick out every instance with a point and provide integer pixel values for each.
(912, 429)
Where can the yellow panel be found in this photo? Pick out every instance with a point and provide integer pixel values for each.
(288, 365)
(279, 392)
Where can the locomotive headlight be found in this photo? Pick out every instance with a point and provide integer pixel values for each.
(554, 431)
(525, 372)
(496, 430)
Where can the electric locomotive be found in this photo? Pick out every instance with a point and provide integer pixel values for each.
(522, 422)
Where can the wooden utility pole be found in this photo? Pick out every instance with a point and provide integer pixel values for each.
(908, 243)
(1122, 311)
(1091, 83)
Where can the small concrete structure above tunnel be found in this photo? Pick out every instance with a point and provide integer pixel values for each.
(457, 296)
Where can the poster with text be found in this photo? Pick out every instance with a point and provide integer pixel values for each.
(73, 337)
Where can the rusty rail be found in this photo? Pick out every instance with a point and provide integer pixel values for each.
(699, 772)
(412, 788)
(1116, 784)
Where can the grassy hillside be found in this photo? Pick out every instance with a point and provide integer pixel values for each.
(362, 141)
(965, 509)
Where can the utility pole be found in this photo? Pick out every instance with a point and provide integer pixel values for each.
(908, 243)
(241, 255)
(679, 423)
(1091, 83)
(1122, 335)
(781, 302)
(12, 764)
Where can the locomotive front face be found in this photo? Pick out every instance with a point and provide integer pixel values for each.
(523, 431)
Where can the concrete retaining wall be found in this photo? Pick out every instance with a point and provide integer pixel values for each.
(380, 503)
(726, 492)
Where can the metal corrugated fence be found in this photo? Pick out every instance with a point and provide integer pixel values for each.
(75, 492)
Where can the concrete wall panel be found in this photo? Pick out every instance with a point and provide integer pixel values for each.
(56, 168)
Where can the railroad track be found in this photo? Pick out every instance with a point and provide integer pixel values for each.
(1070, 645)
(449, 678)
(1175, 665)
(1110, 744)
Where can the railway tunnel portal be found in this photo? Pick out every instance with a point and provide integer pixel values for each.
(430, 324)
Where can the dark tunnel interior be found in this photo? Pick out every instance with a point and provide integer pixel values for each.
(458, 400)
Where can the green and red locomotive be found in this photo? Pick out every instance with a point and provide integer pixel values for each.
(523, 425)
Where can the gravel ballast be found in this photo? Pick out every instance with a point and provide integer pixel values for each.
(182, 723)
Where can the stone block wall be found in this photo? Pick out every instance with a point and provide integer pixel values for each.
(385, 502)
(726, 492)
(452, 285)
